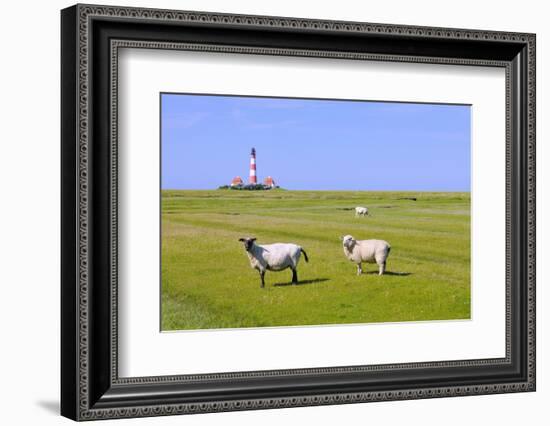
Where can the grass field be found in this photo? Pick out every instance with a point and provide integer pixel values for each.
(207, 281)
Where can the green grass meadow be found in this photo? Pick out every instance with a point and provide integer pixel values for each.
(207, 281)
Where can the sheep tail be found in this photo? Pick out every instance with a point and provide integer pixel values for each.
(305, 254)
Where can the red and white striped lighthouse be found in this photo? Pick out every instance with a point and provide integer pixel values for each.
(252, 177)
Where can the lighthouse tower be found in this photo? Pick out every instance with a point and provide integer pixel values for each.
(252, 177)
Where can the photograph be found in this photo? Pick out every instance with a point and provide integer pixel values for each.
(265, 209)
(279, 212)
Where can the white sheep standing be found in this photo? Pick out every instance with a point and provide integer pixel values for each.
(369, 251)
(273, 257)
(361, 211)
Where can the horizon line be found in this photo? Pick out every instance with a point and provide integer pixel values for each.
(322, 190)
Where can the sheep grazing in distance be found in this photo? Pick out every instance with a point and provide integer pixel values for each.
(273, 257)
(361, 211)
(368, 251)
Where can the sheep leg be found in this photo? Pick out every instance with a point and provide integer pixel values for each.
(359, 270)
(262, 273)
(294, 277)
(382, 268)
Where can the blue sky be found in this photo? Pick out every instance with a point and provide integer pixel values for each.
(314, 144)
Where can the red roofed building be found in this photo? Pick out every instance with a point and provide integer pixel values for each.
(236, 181)
(268, 181)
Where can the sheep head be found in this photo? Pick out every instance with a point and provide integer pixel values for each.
(247, 242)
(348, 241)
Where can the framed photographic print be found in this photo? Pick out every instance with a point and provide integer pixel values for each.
(263, 212)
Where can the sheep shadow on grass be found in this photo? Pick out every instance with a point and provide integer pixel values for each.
(395, 274)
(301, 282)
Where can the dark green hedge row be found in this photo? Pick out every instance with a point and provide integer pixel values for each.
(249, 187)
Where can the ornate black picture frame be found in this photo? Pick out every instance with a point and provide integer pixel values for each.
(91, 37)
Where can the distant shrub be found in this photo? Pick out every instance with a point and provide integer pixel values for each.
(249, 187)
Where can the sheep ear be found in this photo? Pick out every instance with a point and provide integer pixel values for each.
(253, 239)
(241, 239)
